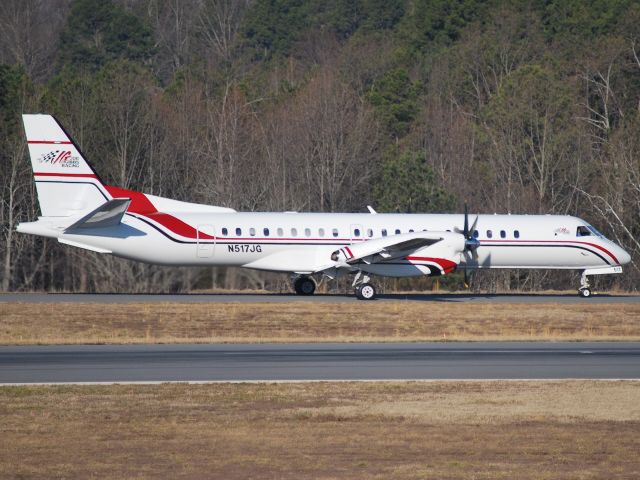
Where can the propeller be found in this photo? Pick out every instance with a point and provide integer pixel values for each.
(471, 243)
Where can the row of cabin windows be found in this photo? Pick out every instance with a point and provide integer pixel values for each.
(503, 234)
(280, 232)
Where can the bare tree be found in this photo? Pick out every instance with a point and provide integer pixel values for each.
(219, 24)
(29, 32)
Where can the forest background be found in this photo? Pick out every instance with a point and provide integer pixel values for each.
(325, 105)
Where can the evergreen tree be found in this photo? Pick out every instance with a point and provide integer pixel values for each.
(98, 31)
(407, 184)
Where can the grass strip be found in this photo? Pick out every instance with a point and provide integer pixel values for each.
(71, 323)
(380, 430)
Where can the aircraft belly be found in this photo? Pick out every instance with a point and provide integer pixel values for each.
(291, 258)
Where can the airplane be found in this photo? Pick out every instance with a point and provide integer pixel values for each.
(80, 210)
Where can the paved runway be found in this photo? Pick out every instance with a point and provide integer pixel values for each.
(291, 362)
(274, 297)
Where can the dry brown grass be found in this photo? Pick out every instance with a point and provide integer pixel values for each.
(314, 322)
(411, 430)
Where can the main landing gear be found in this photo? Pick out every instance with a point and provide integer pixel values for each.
(363, 289)
(304, 285)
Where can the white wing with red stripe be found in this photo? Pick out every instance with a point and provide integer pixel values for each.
(409, 247)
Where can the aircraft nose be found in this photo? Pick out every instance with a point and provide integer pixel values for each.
(623, 256)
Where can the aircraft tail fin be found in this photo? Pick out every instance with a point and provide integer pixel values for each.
(66, 183)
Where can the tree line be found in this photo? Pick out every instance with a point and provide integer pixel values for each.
(512, 106)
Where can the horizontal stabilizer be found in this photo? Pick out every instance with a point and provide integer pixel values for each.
(108, 214)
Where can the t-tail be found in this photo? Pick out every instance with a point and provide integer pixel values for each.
(67, 185)
(70, 193)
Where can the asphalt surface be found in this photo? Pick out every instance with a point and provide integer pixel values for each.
(295, 362)
(284, 298)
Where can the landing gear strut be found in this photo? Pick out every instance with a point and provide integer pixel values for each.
(363, 289)
(304, 285)
(585, 288)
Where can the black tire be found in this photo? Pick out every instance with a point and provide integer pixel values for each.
(585, 292)
(366, 291)
(304, 286)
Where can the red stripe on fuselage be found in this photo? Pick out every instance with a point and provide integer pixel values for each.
(141, 205)
(49, 142)
(177, 226)
(139, 201)
(595, 245)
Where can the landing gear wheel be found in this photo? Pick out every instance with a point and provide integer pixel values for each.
(304, 286)
(365, 291)
(584, 292)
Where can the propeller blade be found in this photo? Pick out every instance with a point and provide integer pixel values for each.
(473, 227)
(466, 221)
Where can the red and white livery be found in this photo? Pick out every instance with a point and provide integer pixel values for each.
(80, 210)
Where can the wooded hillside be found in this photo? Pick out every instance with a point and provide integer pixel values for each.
(325, 105)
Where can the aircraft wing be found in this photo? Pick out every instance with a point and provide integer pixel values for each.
(388, 248)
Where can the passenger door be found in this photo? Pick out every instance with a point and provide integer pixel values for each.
(206, 241)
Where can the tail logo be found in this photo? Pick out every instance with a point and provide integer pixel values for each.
(62, 158)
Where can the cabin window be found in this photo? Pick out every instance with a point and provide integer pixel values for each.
(476, 234)
(595, 232)
(489, 234)
(583, 231)
(266, 232)
(238, 232)
(398, 231)
(411, 230)
(384, 232)
(516, 234)
(294, 232)
(369, 232)
(280, 232)
(356, 232)
(252, 232)
(503, 234)
(225, 232)
(321, 232)
(334, 232)
(307, 232)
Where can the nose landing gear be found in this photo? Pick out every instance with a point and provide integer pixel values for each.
(585, 288)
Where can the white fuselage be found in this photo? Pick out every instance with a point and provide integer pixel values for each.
(303, 242)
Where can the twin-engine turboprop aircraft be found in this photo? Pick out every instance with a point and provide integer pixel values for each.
(80, 210)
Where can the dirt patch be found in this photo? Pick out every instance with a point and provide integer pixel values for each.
(464, 430)
(313, 322)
